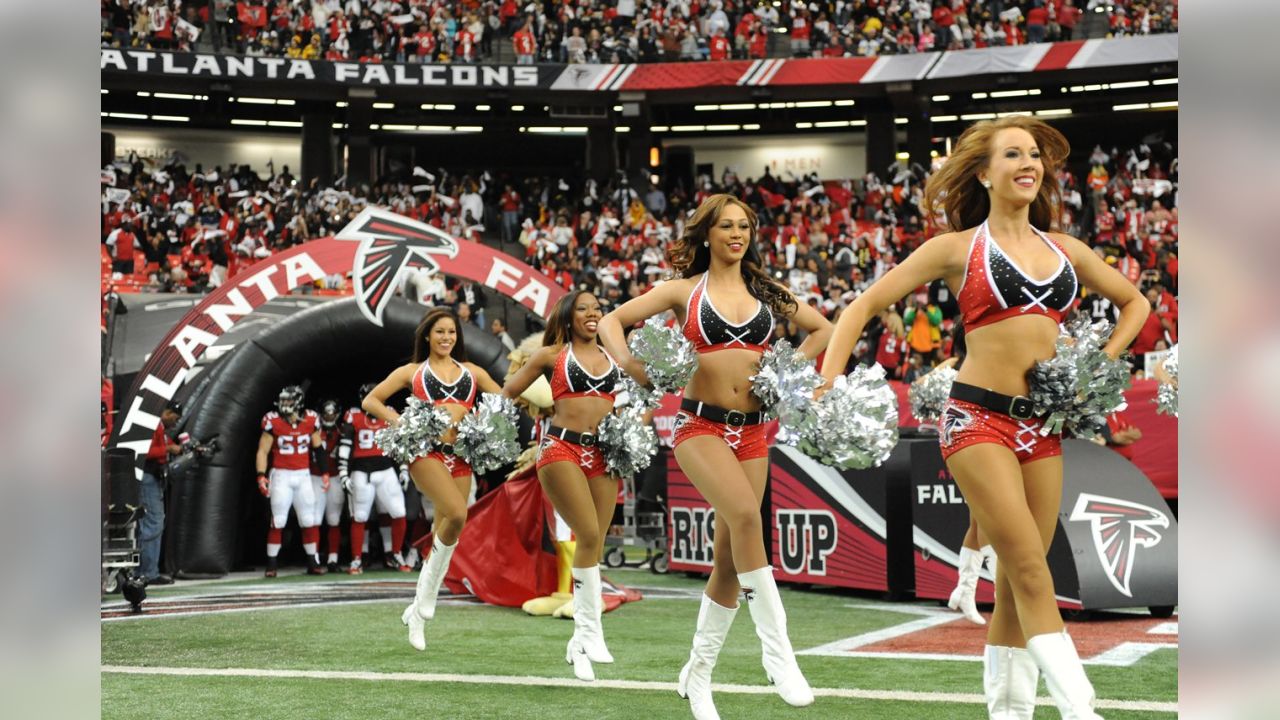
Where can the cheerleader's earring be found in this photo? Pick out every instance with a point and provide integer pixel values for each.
(986, 184)
(706, 243)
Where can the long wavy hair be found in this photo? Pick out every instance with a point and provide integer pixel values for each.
(421, 337)
(560, 321)
(954, 189)
(689, 254)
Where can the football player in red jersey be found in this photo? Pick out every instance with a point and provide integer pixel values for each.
(370, 476)
(289, 433)
(329, 501)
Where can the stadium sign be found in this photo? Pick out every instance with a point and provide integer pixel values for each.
(375, 248)
(231, 67)
(1137, 52)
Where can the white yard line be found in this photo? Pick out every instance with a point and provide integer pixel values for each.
(194, 612)
(1126, 654)
(842, 648)
(529, 681)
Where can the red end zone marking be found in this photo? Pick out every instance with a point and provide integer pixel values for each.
(963, 638)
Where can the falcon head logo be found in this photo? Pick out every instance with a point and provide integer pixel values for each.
(1119, 528)
(390, 243)
(954, 420)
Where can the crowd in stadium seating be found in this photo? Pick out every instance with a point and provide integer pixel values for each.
(604, 31)
(178, 230)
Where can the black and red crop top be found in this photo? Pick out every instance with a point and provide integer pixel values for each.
(995, 288)
(569, 379)
(428, 386)
(709, 331)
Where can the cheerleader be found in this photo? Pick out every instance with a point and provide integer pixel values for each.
(441, 375)
(726, 305)
(1015, 280)
(570, 463)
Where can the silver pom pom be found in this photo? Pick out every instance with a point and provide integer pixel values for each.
(1080, 385)
(853, 426)
(627, 441)
(785, 382)
(418, 432)
(488, 438)
(629, 393)
(668, 357)
(1167, 393)
(928, 395)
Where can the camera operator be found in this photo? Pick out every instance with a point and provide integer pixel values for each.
(151, 493)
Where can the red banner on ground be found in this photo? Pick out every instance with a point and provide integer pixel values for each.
(506, 554)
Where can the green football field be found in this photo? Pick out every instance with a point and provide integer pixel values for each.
(333, 647)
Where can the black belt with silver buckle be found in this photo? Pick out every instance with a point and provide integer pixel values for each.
(732, 418)
(577, 438)
(1017, 407)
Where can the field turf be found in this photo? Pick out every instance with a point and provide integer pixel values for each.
(351, 659)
